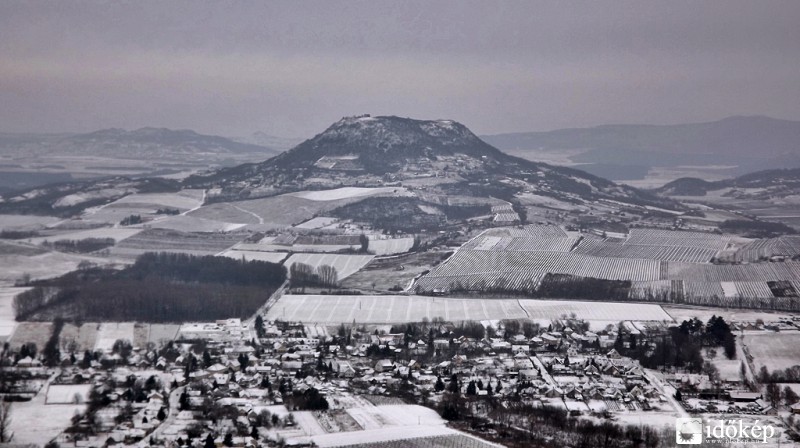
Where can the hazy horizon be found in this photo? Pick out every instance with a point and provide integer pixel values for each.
(290, 69)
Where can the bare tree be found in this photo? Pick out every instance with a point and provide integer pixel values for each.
(5, 420)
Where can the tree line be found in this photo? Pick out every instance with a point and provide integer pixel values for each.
(156, 288)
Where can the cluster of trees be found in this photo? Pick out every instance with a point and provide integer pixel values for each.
(310, 400)
(775, 395)
(788, 375)
(131, 220)
(572, 287)
(756, 229)
(302, 275)
(157, 288)
(680, 346)
(168, 211)
(80, 246)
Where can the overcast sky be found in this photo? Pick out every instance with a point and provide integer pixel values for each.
(292, 68)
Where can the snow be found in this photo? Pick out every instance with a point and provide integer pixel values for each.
(380, 435)
(67, 393)
(344, 193)
(346, 265)
(7, 321)
(110, 332)
(317, 223)
(33, 422)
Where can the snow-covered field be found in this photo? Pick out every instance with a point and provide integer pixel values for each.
(680, 314)
(51, 264)
(346, 265)
(33, 422)
(182, 200)
(110, 332)
(390, 246)
(345, 193)
(389, 309)
(7, 322)
(26, 222)
(67, 393)
(773, 350)
(317, 223)
(186, 223)
(398, 309)
(594, 311)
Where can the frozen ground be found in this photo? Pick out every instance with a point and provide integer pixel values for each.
(345, 193)
(34, 422)
(110, 332)
(773, 350)
(67, 393)
(7, 321)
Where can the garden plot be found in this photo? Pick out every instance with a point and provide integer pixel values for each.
(346, 193)
(776, 351)
(250, 255)
(345, 265)
(111, 332)
(593, 311)
(389, 309)
(67, 393)
(7, 316)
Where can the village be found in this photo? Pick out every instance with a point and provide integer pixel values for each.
(259, 383)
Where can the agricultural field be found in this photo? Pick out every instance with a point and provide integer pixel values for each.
(345, 265)
(773, 350)
(46, 265)
(381, 274)
(67, 393)
(26, 222)
(756, 250)
(289, 209)
(7, 317)
(193, 224)
(347, 193)
(390, 246)
(161, 240)
(388, 309)
(398, 309)
(145, 204)
(35, 332)
(111, 332)
(594, 311)
(319, 222)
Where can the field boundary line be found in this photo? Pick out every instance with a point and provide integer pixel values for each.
(528, 316)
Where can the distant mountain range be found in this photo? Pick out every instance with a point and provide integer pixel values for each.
(159, 143)
(751, 142)
(768, 183)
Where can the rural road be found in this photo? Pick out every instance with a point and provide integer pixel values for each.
(668, 392)
(174, 398)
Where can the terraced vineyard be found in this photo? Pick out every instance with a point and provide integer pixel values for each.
(662, 265)
(788, 246)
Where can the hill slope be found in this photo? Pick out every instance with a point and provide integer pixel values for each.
(372, 151)
(755, 142)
